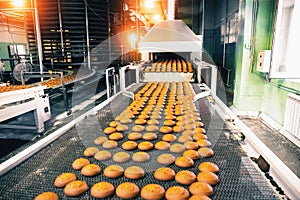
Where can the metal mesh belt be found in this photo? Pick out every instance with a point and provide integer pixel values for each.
(239, 179)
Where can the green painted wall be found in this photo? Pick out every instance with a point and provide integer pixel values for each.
(4, 54)
(252, 91)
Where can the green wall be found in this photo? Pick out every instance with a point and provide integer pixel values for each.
(252, 91)
(4, 53)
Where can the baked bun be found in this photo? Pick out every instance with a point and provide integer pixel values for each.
(138, 128)
(205, 152)
(102, 155)
(188, 133)
(203, 143)
(113, 171)
(169, 122)
(125, 120)
(90, 170)
(164, 174)
(140, 156)
(152, 122)
(109, 144)
(152, 128)
(153, 192)
(121, 128)
(134, 172)
(184, 138)
(47, 196)
(176, 193)
(140, 121)
(200, 130)
(114, 124)
(178, 129)
(201, 188)
(190, 145)
(63, 179)
(145, 146)
(208, 167)
(90, 151)
(208, 177)
(127, 190)
(149, 136)
(102, 190)
(193, 154)
(129, 145)
(99, 140)
(184, 162)
(169, 138)
(109, 130)
(76, 188)
(185, 177)
(121, 157)
(165, 159)
(134, 136)
(177, 148)
(166, 129)
(162, 145)
(199, 136)
(115, 136)
(80, 163)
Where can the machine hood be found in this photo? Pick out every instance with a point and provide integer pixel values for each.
(170, 36)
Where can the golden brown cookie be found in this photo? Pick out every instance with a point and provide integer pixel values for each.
(121, 128)
(208, 167)
(184, 138)
(177, 148)
(169, 122)
(102, 155)
(184, 162)
(114, 124)
(102, 190)
(140, 121)
(90, 170)
(185, 177)
(178, 129)
(109, 130)
(149, 136)
(109, 144)
(63, 179)
(169, 138)
(166, 129)
(188, 133)
(115, 136)
(152, 192)
(138, 128)
(134, 172)
(165, 159)
(90, 151)
(145, 146)
(140, 156)
(47, 196)
(129, 145)
(200, 130)
(125, 120)
(199, 197)
(177, 192)
(121, 157)
(203, 143)
(113, 171)
(127, 190)
(162, 145)
(208, 177)
(134, 136)
(199, 136)
(201, 188)
(190, 145)
(205, 152)
(152, 122)
(99, 140)
(152, 128)
(76, 188)
(193, 154)
(80, 163)
(164, 174)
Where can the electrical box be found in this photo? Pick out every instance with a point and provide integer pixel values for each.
(263, 60)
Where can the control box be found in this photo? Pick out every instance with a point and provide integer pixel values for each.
(263, 60)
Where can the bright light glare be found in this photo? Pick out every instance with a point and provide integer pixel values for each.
(149, 4)
(132, 38)
(18, 3)
(156, 17)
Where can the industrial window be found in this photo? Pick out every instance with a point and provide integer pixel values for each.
(285, 56)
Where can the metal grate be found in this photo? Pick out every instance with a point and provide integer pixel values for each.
(239, 179)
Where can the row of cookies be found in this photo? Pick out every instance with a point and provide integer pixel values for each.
(171, 65)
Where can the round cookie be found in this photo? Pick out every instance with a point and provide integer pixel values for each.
(121, 157)
(129, 145)
(138, 128)
(177, 148)
(134, 136)
(190, 145)
(140, 121)
(199, 197)
(80, 163)
(184, 138)
(177, 192)
(90, 170)
(121, 128)
(76, 188)
(114, 124)
(208, 177)
(152, 122)
(188, 133)
(113, 171)
(140, 157)
(203, 143)
(63, 179)
(184, 162)
(185, 177)
(47, 196)
(152, 192)
(169, 122)
(109, 144)
(201, 188)
(169, 138)
(125, 120)
(205, 152)
(115, 136)
(199, 136)
(149, 136)
(178, 129)
(162, 145)
(90, 151)
(102, 190)
(102, 155)
(145, 146)
(109, 130)
(200, 130)
(165, 159)
(127, 190)
(166, 129)
(164, 174)
(99, 140)
(152, 128)
(191, 154)
(134, 172)
(208, 167)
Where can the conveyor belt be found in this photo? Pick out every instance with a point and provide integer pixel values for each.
(239, 178)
